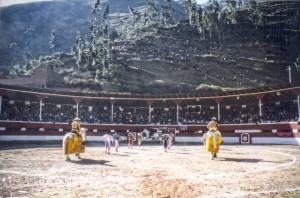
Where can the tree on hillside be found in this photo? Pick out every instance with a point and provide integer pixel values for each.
(120, 28)
(200, 26)
(192, 12)
(96, 6)
(195, 16)
(13, 47)
(240, 3)
(100, 51)
(27, 55)
(104, 28)
(77, 49)
(135, 22)
(27, 37)
(297, 63)
(227, 15)
(166, 13)
(151, 15)
(295, 24)
(256, 14)
(113, 35)
(211, 18)
(215, 19)
(52, 39)
(229, 11)
(91, 46)
(93, 55)
(96, 49)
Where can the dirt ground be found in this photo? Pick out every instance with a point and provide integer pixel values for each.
(148, 171)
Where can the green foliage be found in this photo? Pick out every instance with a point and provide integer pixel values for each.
(27, 55)
(52, 39)
(77, 49)
(193, 15)
(93, 55)
(256, 14)
(149, 21)
(217, 17)
(151, 16)
(227, 14)
(240, 3)
(166, 13)
(297, 63)
(137, 16)
(17, 70)
(113, 35)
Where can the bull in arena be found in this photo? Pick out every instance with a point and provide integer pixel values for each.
(73, 143)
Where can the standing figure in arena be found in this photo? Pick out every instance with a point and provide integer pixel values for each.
(170, 141)
(117, 139)
(140, 138)
(107, 140)
(165, 139)
(130, 139)
(212, 138)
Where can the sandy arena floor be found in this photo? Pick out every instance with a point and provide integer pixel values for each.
(147, 171)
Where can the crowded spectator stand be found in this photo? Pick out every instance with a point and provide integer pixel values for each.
(271, 112)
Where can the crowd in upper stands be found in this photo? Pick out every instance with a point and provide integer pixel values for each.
(31, 111)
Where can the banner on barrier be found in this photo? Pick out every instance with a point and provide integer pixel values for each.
(245, 138)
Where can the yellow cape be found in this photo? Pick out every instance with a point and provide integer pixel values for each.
(213, 141)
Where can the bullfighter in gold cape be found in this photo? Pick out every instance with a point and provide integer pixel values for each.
(73, 142)
(213, 138)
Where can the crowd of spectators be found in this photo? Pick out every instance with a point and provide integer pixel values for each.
(31, 111)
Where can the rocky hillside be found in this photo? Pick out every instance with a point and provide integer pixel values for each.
(29, 25)
(178, 60)
(246, 57)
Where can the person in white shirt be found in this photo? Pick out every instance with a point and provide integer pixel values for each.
(107, 140)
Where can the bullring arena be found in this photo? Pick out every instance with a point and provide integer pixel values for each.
(257, 159)
(148, 171)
